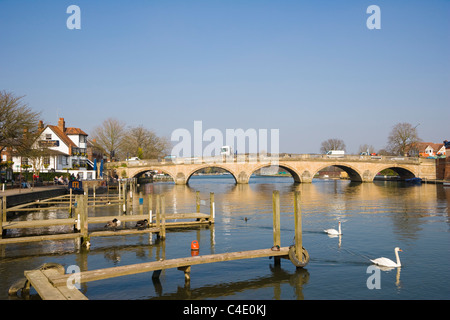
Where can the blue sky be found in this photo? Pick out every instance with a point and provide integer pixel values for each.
(311, 69)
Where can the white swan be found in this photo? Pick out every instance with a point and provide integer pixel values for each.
(385, 262)
(334, 231)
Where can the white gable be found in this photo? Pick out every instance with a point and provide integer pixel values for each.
(53, 141)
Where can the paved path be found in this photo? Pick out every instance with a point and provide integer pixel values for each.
(16, 191)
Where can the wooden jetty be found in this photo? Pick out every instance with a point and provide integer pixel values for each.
(56, 285)
(79, 219)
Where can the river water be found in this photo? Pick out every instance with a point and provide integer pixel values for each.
(376, 218)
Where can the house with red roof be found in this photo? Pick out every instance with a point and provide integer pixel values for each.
(427, 149)
(65, 151)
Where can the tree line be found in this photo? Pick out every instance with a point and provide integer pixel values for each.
(402, 138)
(120, 142)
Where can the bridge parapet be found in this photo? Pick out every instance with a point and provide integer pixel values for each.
(255, 158)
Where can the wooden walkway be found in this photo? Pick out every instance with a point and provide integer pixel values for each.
(40, 281)
(81, 221)
(51, 284)
(54, 284)
(183, 264)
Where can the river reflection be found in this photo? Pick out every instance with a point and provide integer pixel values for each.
(376, 217)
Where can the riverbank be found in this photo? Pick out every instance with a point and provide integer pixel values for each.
(15, 197)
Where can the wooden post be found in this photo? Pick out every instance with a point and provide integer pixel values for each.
(187, 274)
(276, 223)
(77, 213)
(130, 200)
(70, 203)
(276, 218)
(150, 209)
(158, 211)
(124, 198)
(1, 216)
(119, 184)
(4, 208)
(83, 204)
(212, 208)
(94, 192)
(163, 217)
(298, 226)
(197, 201)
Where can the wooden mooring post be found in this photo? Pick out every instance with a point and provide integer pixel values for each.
(276, 222)
(298, 226)
(212, 208)
(150, 208)
(70, 203)
(197, 201)
(297, 254)
(2, 215)
(81, 214)
(162, 232)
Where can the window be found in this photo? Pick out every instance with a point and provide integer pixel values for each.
(46, 161)
(62, 160)
(82, 139)
(48, 136)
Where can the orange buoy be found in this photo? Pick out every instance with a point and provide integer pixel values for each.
(195, 253)
(194, 245)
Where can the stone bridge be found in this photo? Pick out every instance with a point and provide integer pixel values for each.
(301, 167)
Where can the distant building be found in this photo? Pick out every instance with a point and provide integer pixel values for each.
(447, 162)
(427, 149)
(66, 150)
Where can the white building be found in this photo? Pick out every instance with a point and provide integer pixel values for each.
(66, 150)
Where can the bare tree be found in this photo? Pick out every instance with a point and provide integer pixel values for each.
(403, 136)
(33, 149)
(144, 143)
(15, 117)
(109, 137)
(332, 144)
(384, 152)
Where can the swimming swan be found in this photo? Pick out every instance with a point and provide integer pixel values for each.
(385, 262)
(334, 231)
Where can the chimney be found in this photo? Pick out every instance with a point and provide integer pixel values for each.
(62, 124)
(41, 125)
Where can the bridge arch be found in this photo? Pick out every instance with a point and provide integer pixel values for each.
(403, 172)
(294, 173)
(139, 172)
(353, 173)
(212, 165)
